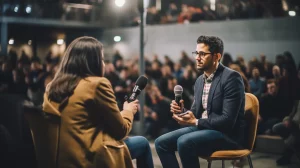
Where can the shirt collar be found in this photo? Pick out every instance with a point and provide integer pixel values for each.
(211, 76)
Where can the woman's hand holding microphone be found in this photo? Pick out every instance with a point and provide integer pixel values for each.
(132, 106)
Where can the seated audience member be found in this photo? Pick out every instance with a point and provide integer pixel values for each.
(122, 86)
(155, 71)
(289, 88)
(178, 71)
(266, 67)
(276, 73)
(187, 82)
(158, 118)
(237, 68)
(271, 111)
(288, 129)
(257, 84)
(6, 78)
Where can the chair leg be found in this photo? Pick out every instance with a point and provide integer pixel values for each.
(250, 161)
(223, 163)
(209, 163)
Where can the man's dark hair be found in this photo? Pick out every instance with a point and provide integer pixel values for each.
(215, 44)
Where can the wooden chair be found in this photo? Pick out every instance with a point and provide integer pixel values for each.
(45, 135)
(251, 117)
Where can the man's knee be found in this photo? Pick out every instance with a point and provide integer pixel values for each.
(183, 143)
(277, 128)
(158, 141)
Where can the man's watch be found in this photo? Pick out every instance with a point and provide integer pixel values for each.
(196, 122)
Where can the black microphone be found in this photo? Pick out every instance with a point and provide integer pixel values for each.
(178, 93)
(140, 84)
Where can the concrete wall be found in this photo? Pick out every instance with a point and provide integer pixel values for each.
(242, 37)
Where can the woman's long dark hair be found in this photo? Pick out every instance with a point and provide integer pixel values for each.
(82, 58)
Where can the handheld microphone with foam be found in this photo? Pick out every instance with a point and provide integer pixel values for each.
(178, 93)
(140, 84)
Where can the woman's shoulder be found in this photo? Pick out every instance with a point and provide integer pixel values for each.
(93, 81)
(89, 85)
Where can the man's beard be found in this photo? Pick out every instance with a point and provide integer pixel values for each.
(205, 67)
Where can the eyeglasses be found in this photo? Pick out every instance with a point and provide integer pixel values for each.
(201, 54)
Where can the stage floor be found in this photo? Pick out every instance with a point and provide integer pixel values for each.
(259, 160)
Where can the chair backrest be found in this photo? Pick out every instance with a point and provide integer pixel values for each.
(251, 117)
(45, 135)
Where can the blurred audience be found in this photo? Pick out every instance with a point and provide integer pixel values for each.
(28, 78)
(270, 107)
(289, 130)
(257, 83)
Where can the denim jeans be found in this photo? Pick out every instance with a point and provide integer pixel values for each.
(190, 142)
(140, 150)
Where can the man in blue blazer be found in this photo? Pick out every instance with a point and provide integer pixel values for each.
(216, 118)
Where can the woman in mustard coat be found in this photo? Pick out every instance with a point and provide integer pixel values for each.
(92, 128)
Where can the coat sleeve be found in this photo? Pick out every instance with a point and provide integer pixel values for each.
(232, 102)
(118, 124)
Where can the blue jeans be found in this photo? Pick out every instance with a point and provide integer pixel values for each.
(190, 142)
(140, 150)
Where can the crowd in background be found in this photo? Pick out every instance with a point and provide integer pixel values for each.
(276, 85)
(238, 9)
(169, 12)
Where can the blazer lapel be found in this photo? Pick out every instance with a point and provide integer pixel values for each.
(199, 104)
(213, 87)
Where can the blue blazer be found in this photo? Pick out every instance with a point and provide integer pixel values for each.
(225, 106)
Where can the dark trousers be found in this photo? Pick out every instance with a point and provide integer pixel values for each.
(281, 130)
(266, 125)
(190, 142)
(285, 132)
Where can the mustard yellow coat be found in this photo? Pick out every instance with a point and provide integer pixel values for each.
(91, 127)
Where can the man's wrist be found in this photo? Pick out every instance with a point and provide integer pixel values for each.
(196, 124)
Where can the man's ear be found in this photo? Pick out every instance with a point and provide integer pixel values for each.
(218, 57)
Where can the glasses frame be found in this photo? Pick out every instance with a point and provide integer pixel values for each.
(201, 54)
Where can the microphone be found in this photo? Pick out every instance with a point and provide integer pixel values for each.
(140, 84)
(178, 90)
(178, 93)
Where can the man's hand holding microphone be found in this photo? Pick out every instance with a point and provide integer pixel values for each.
(177, 105)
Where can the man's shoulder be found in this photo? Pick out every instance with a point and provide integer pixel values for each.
(229, 74)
